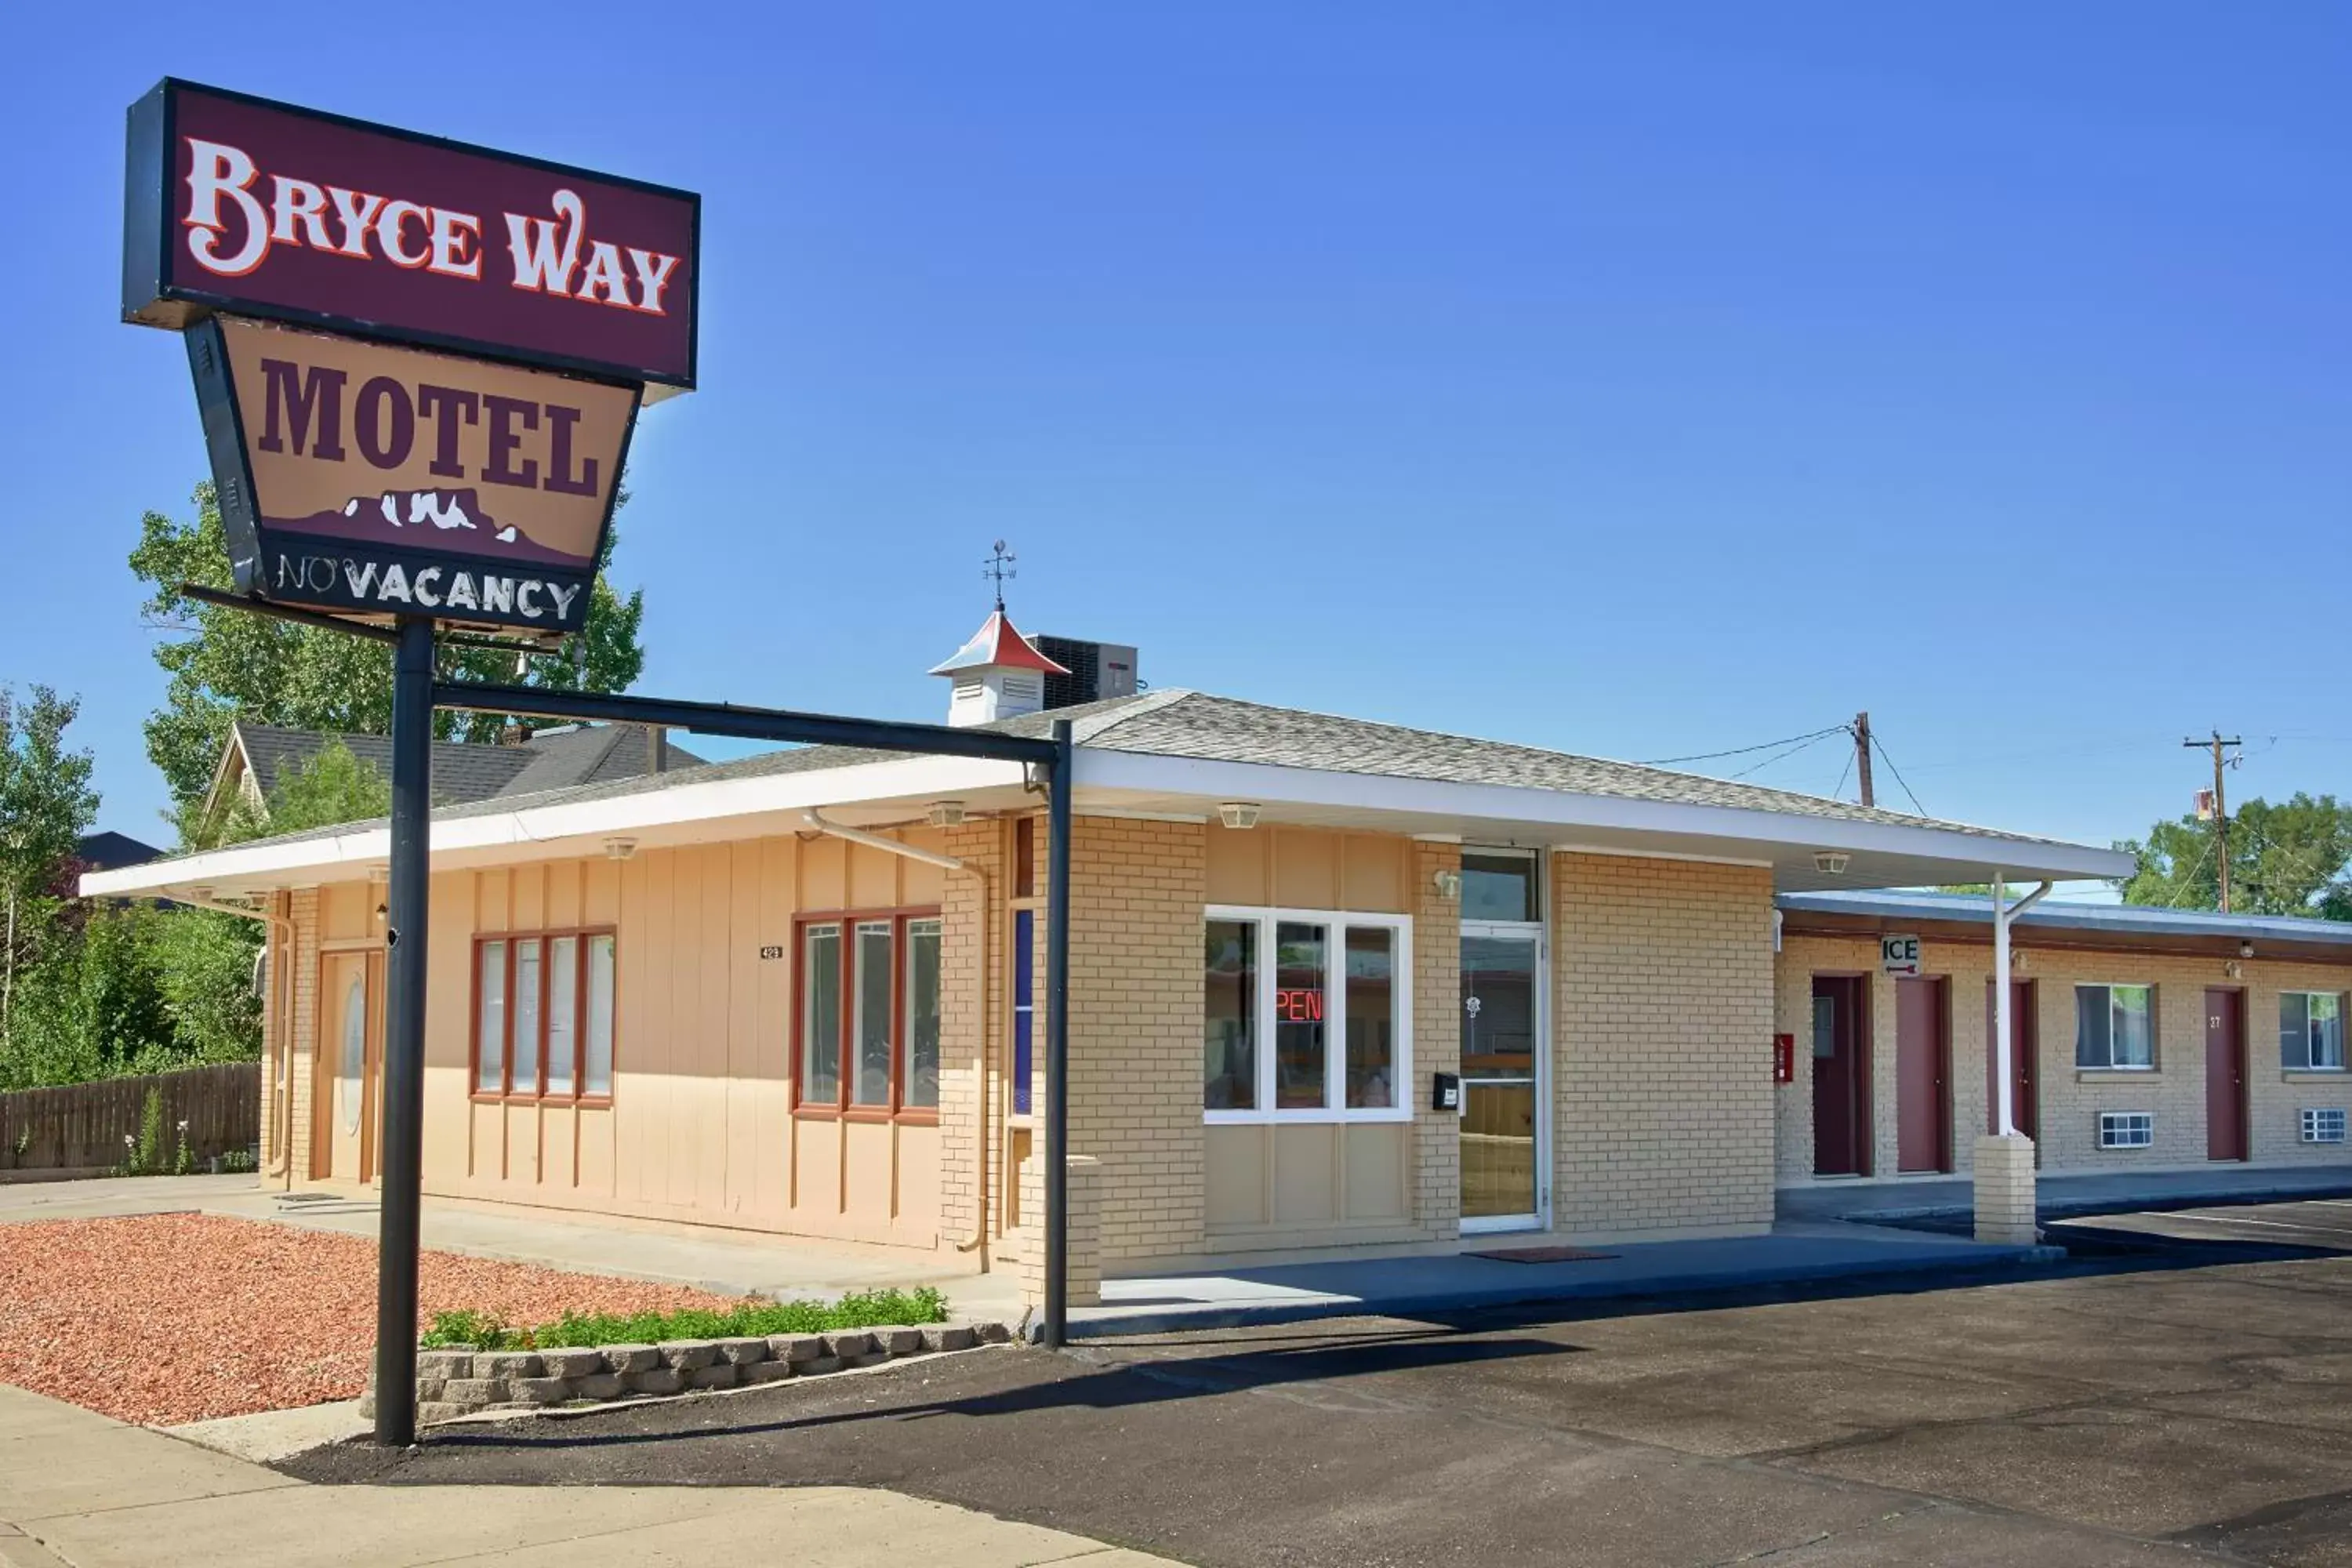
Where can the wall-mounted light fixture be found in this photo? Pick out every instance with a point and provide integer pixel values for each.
(1830, 862)
(2017, 964)
(619, 848)
(2245, 950)
(945, 813)
(1242, 813)
(1448, 884)
(2233, 970)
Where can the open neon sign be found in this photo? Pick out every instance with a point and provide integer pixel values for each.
(1297, 1005)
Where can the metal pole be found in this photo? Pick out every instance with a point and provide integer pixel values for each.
(1057, 1042)
(401, 1170)
(2005, 1123)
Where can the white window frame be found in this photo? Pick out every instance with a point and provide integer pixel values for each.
(2342, 1052)
(2314, 1117)
(2117, 1119)
(2155, 1044)
(1335, 1016)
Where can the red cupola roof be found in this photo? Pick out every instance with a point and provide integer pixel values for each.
(998, 646)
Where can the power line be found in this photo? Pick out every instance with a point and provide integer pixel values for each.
(1742, 751)
(1838, 793)
(1802, 745)
(1899, 776)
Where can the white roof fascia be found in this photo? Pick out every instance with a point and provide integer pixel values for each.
(755, 795)
(1267, 784)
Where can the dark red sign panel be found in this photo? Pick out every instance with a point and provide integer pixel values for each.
(257, 208)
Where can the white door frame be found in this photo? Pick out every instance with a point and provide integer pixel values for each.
(1535, 933)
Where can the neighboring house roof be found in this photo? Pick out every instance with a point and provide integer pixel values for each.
(2136, 924)
(111, 851)
(997, 644)
(1165, 751)
(465, 772)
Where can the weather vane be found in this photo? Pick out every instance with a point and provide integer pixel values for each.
(997, 568)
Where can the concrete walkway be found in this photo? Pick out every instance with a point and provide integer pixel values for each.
(1414, 1285)
(78, 1490)
(734, 1263)
(2063, 1194)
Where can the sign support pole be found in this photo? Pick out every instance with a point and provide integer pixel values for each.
(1057, 1041)
(401, 1166)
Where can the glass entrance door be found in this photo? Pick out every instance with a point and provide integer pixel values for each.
(1502, 1076)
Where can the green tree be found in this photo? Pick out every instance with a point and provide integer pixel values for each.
(331, 788)
(95, 1006)
(226, 663)
(46, 806)
(2287, 859)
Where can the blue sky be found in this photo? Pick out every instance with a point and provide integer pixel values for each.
(1633, 380)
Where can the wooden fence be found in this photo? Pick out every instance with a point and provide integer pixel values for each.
(79, 1129)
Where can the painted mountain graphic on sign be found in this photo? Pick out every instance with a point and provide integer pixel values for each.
(427, 519)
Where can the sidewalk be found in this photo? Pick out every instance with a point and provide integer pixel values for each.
(2061, 1194)
(733, 1263)
(78, 1490)
(1426, 1283)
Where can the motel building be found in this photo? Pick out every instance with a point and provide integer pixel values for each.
(1334, 984)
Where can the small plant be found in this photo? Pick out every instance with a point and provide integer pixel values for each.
(147, 1149)
(752, 1317)
(183, 1161)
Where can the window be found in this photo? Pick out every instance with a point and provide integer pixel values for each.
(543, 1015)
(2311, 1031)
(1229, 1080)
(490, 1024)
(2126, 1129)
(920, 1073)
(2115, 1026)
(2322, 1126)
(868, 1016)
(1307, 1016)
(353, 1087)
(1372, 1018)
(1024, 1004)
(1497, 885)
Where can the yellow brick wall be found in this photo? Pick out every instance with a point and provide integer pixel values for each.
(1661, 1094)
(1436, 1041)
(302, 907)
(974, 969)
(1137, 893)
(2071, 1099)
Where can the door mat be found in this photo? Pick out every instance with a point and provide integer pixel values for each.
(1539, 1254)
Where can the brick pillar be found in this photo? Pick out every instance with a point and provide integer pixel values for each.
(2004, 1190)
(1436, 1039)
(974, 928)
(1086, 1231)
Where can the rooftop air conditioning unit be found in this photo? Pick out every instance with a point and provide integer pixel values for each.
(1097, 670)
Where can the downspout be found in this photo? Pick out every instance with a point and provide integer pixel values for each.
(280, 1052)
(815, 819)
(2004, 1076)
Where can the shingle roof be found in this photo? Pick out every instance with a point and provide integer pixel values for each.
(465, 772)
(2128, 919)
(1181, 723)
(460, 773)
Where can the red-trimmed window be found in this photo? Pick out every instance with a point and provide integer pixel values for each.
(865, 1015)
(543, 1015)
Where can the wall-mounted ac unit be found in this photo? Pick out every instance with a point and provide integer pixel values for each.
(2126, 1129)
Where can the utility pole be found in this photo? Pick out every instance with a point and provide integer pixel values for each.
(1862, 755)
(2219, 747)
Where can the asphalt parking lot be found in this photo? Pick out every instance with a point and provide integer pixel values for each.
(2183, 1390)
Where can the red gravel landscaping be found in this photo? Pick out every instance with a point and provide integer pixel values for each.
(167, 1318)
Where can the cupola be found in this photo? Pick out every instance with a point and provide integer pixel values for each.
(998, 673)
